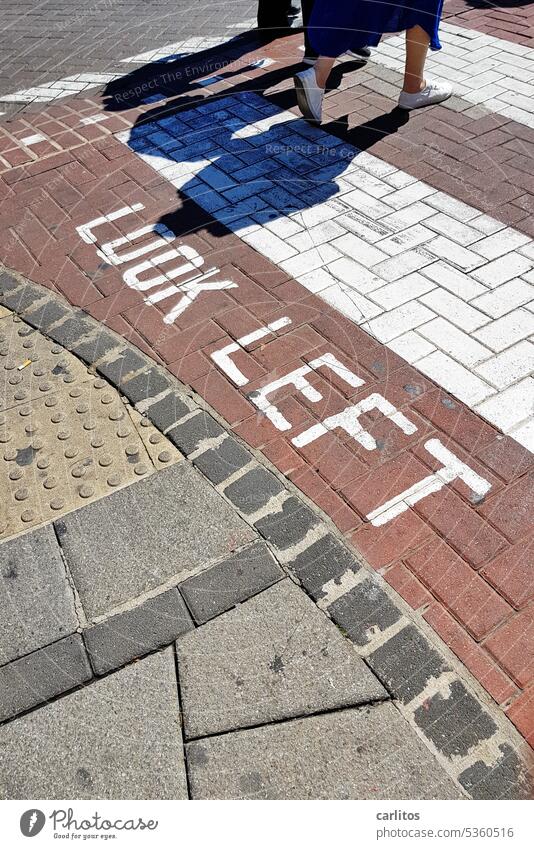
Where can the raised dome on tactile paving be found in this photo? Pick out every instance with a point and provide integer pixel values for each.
(66, 436)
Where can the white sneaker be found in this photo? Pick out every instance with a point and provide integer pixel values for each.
(433, 92)
(309, 95)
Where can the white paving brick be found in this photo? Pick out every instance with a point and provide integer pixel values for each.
(456, 208)
(528, 250)
(410, 194)
(317, 214)
(454, 281)
(454, 342)
(454, 309)
(462, 258)
(524, 434)
(284, 227)
(34, 139)
(355, 275)
(366, 204)
(407, 289)
(510, 408)
(310, 260)
(509, 366)
(505, 331)
(411, 347)
(408, 216)
(455, 378)
(399, 266)
(399, 179)
(373, 165)
(405, 240)
(398, 321)
(317, 235)
(317, 280)
(370, 184)
(505, 298)
(350, 303)
(500, 243)
(270, 244)
(486, 224)
(360, 225)
(503, 269)
(359, 249)
(453, 229)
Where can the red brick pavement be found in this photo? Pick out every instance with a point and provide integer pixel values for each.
(465, 566)
(509, 20)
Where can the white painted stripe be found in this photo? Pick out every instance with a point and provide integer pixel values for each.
(94, 119)
(178, 49)
(297, 221)
(28, 141)
(66, 86)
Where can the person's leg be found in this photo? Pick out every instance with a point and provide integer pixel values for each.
(418, 91)
(417, 43)
(322, 67)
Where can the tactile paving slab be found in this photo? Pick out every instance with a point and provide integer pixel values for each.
(66, 437)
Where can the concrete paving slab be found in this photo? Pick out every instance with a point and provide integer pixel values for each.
(361, 753)
(119, 738)
(166, 526)
(36, 600)
(274, 657)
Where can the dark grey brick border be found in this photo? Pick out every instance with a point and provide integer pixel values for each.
(472, 738)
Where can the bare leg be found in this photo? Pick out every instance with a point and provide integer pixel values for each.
(323, 66)
(417, 43)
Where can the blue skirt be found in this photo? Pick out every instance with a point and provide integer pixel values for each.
(340, 25)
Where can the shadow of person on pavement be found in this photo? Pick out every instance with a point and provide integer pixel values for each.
(233, 151)
(240, 162)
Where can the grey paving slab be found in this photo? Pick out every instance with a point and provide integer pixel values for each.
(360, 753)
(43, 674)
(166, 526)
(288, 526)
(274, 657)
(191, 433)
(455, 724)
(254, 490)
(36, 601)
(505, 778)
(134, 633)
(167, 411)
(220, 463)
(406, 663)
(118, 738)
(326, 560)
(363, 609)
(231, 582)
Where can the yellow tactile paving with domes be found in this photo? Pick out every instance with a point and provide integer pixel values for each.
(66, 436)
